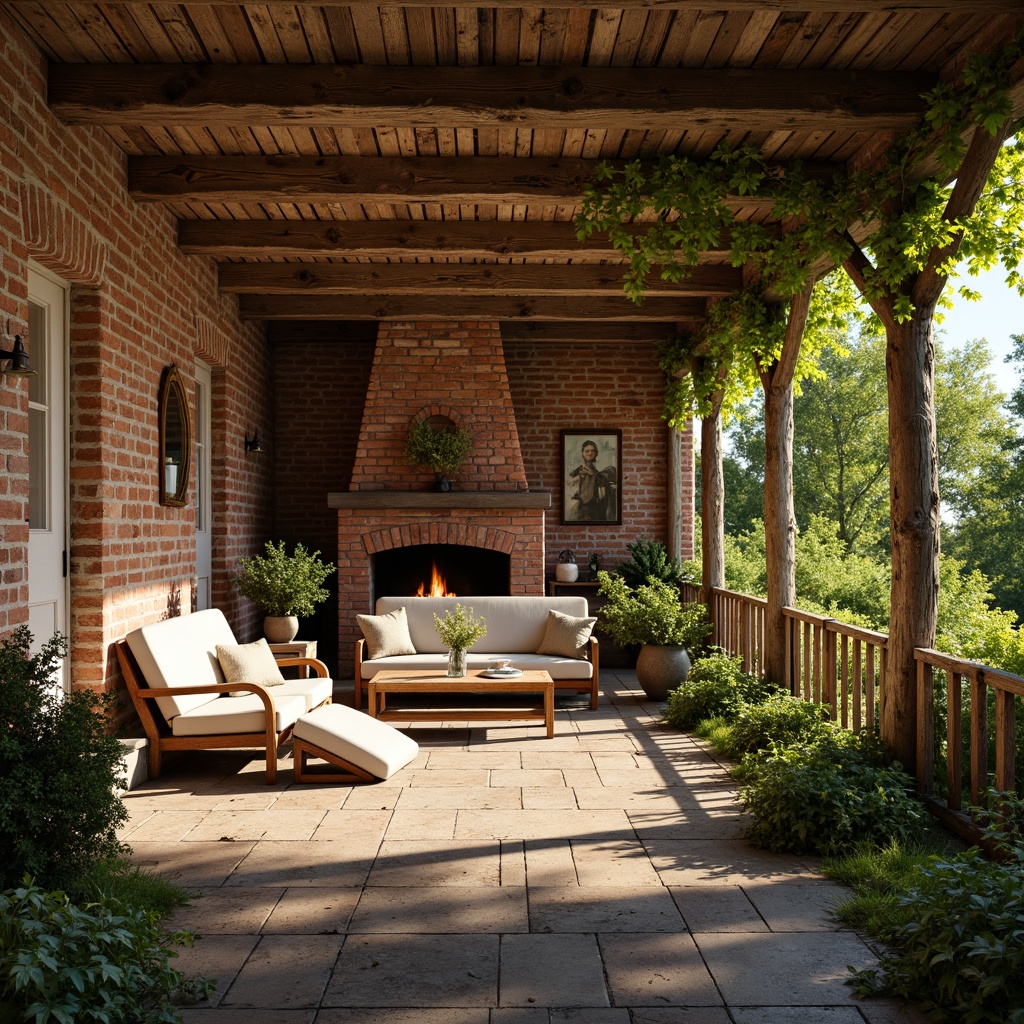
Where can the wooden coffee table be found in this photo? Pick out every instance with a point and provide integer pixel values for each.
(535, 681)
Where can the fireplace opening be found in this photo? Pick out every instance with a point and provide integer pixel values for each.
(458, 570)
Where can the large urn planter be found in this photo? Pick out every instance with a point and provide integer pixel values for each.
(660, 669)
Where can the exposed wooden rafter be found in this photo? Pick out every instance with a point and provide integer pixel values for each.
(366, 96)
(397, 239)
(341, 179)
(468, 307)
(460, 279)
(811, 6)
(588, 331)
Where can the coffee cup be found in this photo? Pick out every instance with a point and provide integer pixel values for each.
(501, 665)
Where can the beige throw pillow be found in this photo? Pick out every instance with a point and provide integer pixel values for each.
(386, 635)
(566, 635)
(248, 663)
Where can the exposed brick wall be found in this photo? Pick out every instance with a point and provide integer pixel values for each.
(451, 369)
(135, 305)
(583, 387)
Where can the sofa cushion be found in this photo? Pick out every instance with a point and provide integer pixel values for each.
(514, 623)
(567, 635)
(248, 663)
(386, 635)
(181, 652)
(230, 715)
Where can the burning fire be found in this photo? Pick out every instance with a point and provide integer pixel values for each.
(438, 585)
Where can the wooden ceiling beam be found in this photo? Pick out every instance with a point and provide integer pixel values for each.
(356, 179)
(512, 280)
(468, 307)
(602, 98)
(811, 6)
(397, 239)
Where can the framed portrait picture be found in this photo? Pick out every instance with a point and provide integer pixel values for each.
(592, 476)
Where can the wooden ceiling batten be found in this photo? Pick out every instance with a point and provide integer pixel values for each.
(441, 151)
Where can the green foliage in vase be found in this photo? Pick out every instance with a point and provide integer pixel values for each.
(442, 451)
(652, 613)
(103, 962)
(460, 628)
(650, 558)
(61, 768)
(283, 584)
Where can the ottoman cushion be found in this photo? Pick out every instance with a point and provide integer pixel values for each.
(374, 746)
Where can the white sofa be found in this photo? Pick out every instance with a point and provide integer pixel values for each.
(515, 629)
(175, 680)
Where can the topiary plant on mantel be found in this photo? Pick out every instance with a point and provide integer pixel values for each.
(441, 448)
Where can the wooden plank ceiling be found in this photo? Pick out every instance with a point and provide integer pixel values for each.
(352, 162)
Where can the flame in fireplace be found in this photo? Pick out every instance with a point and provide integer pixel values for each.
(438, 585)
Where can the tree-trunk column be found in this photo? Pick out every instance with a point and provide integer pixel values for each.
(712, 506)
(779, 523)
(913, 526)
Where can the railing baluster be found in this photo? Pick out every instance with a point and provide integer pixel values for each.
(925, 730)
(954, 737)
(858, 685)
(1004, 740)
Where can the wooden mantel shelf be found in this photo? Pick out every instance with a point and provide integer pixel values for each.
(438, 499)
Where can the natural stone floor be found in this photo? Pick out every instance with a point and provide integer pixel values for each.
(600, 877)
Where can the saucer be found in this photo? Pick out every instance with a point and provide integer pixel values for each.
(502, 673)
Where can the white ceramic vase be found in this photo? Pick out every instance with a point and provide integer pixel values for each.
(567, 572)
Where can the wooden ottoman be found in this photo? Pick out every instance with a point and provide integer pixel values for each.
(364, 748)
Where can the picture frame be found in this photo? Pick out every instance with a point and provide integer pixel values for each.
(592, 477)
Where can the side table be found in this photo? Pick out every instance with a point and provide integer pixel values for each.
(295, 649)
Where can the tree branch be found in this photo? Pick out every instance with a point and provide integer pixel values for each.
(856, 266)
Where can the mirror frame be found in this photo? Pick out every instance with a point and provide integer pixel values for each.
(175, 442)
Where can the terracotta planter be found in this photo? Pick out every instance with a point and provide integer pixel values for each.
(280, 629)
(660, 669)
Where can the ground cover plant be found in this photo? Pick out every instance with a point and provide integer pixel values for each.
(716, 685)
(59, 809)
(80, 938)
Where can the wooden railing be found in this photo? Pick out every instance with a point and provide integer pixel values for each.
(989, 759)
(843, 667)
(835, 664)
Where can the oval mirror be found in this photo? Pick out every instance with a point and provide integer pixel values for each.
(175, 439)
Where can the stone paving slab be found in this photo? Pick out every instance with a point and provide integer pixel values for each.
(601, 910)
(790, 970)
(602, 875)
(441, 909)
(416, 970)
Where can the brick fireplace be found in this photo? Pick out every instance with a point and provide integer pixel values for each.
(454, 370)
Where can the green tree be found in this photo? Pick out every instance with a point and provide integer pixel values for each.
(988, 533)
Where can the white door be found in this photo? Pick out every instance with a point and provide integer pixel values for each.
(204, 546)
(47, 447)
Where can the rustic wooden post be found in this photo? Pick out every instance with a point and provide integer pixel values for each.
(674, 495)
(712, 502)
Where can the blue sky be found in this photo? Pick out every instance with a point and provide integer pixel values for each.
(998, 314)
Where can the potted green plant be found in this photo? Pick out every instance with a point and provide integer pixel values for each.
(654, 616)
(458, 630)
(442, 451)
(284, 586)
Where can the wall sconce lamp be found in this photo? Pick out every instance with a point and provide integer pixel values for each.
(18, 360)
(253, 444)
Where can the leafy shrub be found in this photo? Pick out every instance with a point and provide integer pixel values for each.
(960, 949)
(283, 584)
(59, 811)
(780, 720)
(717, 686)
(827, 796)
(652, 613)
(649, 558)
(102, 962)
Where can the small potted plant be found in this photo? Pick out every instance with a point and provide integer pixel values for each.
(442, 451)
(566, 571)
(654, 616)
(458, 630)
(284, 586)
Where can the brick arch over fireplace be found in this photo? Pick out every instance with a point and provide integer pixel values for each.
(464, 534)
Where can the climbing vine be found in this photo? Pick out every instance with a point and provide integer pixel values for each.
(689, 203)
